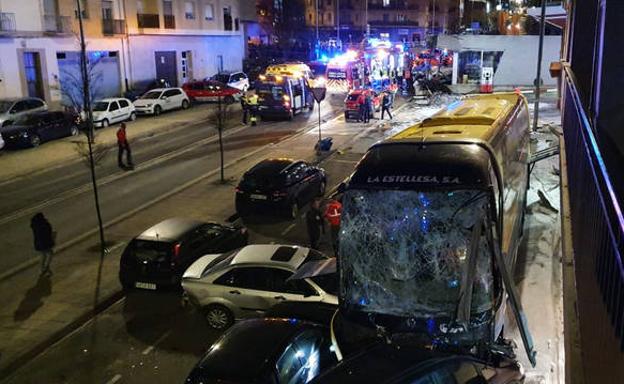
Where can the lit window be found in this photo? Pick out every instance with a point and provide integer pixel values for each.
(189, 10)
(209, 12)
(386, 3)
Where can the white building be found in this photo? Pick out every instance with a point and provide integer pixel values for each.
(130, 44)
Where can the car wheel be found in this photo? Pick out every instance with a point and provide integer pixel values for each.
(293, 212)
(185, 104)
(157, 110)
(73, 131)
(229, 100)
(35, 140)
(322, 188)
(132, 116)
(218, 317)
(105, 123)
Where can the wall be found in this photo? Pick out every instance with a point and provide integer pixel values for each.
(28, 14)
(518, 64)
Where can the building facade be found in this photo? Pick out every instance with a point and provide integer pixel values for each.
(130, 43)
(409, 20)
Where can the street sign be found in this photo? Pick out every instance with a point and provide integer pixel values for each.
(319, 94)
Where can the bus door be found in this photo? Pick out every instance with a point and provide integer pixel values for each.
(297, 92)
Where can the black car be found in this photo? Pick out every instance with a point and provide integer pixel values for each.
(385, 363)
(271, 351)
(282, 184)
(159, 256)
(34, 129)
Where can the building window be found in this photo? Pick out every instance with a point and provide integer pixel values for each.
(310, 17)
(386, 3)
(329, 18)
(83, 8)
(227, 18)
(140, 7)
(236, 24)
(189, 10)
(209, 12)
(400, 18)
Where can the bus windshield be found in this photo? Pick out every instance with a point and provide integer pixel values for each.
(405, 252)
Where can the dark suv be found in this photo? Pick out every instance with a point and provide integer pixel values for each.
(32, 130)
(283, 184)
(159, 256)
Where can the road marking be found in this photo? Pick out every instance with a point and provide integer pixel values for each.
(115, 379)
(149, 349)
(285, 231)
(344, 161)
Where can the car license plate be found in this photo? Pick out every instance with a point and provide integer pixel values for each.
(258, 197)
(145, 285)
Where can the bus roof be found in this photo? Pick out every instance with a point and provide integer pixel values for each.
(288, 69)
(475, 117)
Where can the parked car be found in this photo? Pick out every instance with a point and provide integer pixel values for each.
(285, 184)
(271, 351)
(211, 90)
(402, 364)
(159, 256)
(238, 80)
(112, 110)
(158, 100)
(357, 97)
(36, 128)
(249, 281)
(12, 109)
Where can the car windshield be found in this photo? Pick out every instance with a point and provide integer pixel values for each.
(222, 261)
(222, 78)
(100, 106)
(144, 250)
(151, 95)
(5, 106)
(404, 252)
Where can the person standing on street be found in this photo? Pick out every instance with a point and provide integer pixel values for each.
(314, 222)
(43, 240)
(333, 210)
(123, 146)
(386, 104)
(252, 105)
(244, 107)
(370, 108)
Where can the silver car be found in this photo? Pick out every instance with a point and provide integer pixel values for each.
(246, 282)
(12, 109)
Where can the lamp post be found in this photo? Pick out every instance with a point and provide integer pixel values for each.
(319, 91)
(538, 79)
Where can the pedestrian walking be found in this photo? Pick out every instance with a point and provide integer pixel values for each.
(314, 222)
(333, 210)
(386, 104)
(370, 108)
(362, 109)
(123, 146)
(44, 238)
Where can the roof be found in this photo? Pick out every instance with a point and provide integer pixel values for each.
(170, 229)
(271, 166)
(290, 255)
(474, 117)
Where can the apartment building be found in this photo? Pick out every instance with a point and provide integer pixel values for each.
(129, 42)
(411, 20)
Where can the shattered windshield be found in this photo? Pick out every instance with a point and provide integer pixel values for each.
(404, 253)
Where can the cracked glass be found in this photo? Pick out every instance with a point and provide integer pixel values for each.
(405, 253)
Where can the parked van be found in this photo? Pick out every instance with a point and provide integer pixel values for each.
(283, 96)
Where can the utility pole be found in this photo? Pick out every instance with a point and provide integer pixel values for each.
(538, 79)
(317, 21)
(87, 109)
(337, 22)
(366, 17)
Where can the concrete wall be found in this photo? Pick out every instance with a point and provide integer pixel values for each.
(518, 64)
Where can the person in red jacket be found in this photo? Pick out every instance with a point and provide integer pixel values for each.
(123, 146)
(333, 210)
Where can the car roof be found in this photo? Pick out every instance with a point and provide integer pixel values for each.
(170, 229)
(291, 256)
(109, 99)
(162, 89)
(272, 165)
(231, 352)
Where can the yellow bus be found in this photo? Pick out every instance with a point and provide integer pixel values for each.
(431, 223)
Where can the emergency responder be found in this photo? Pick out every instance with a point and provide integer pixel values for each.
(314, 223)
(333, 210)
(252, 104)
(386, 104)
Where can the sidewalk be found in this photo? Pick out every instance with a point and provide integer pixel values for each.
(20, 162)
(37, 312)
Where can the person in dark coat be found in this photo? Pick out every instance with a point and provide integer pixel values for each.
(43, 240)
(370, 108)
(314, 222)
(386, 104)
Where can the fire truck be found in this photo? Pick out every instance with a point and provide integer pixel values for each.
(347, 71)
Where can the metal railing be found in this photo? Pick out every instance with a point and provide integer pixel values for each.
(148, 20)
(58, 24)
(598, 235)
(7, 22)
(170, 22)
(113, 27)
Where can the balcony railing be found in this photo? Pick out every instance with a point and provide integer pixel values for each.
(57, 24)
(113, 27)
(170, 22)
(7, 22)
(148, 20)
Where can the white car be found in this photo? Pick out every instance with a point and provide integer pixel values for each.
(112, 110)
(158, 100)
(246, 282)
(238, 80)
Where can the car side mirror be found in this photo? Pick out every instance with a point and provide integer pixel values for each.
(164, 98)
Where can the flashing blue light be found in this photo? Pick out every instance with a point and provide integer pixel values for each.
(293, 321)
(324, 58)
(453, 105)
(363, 301)
(453, 283)
(431, 326)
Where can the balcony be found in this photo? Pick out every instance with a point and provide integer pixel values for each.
(394, 23)
(7, 22)
(57, 24)
(148, 20)
(113, 27)
(170, 22)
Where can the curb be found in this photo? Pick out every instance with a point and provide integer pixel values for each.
(60, 334)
